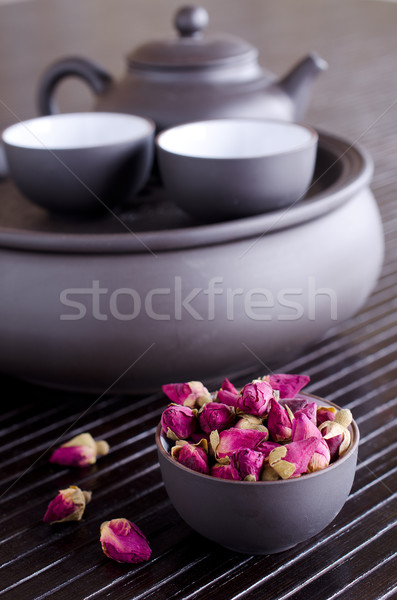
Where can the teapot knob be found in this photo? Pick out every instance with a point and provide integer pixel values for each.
(191, 20)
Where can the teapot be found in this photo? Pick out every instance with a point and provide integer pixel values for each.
(190, 77)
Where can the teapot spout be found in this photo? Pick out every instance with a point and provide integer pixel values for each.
(297, 84)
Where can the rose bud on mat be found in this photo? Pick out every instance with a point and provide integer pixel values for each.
(302, 429)
(292, 459)
(178, 422)
(123, 541)
(255, 398)
(288, 385)
(80, 451)
(248, 463)
(193, 456)
(279, 422)
(192, 394)
(68, 505)
(215, 415)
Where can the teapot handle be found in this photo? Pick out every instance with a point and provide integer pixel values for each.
(96, 77)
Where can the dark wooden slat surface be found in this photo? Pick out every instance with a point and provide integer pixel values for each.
(355, 365)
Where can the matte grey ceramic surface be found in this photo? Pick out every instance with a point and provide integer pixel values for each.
(191, 77)
(261, 517)
(127, 303)
(232, 168)
(80, 163)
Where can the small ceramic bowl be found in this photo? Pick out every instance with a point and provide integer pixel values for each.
(261, 517)
(231, 168)
(80, 163)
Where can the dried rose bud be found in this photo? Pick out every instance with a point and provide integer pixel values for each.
(292, 459)
(269, 474)
(287, 384)
(310, 410)
(325, 413)
(279, 422)
(334, 443)
(215, 416)
(195, 438)
(251, 422)
(255, 398)
(231, 440)
(123, 541)
(303, 429)
(248, 463)
(265, 448)
(336, 433)
(193, 456)
(68, 505)
(225, 472)
(229, 387)
(294, 404)
(178, 422)
(226, 397)
(191, 394)
(80, 451)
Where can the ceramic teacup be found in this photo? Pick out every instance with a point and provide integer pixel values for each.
(80, 163)
(231, 168)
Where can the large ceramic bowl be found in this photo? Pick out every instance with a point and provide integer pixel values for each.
(260, 517)
(147, 296)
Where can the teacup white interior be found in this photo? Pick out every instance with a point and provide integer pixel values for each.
(77, 130)
(235, 138)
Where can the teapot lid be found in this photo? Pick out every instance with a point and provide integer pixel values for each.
(192, 48)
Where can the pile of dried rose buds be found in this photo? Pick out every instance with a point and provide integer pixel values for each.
(120, 539)
(264, 432)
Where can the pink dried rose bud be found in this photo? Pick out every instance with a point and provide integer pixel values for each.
(229, 387)
(310, 410)
(248, 463)
(251, 422)
(231, 440)
(265, 448)
(292, 459)
(195, 438)
(279, 422)
(334, 443)
(123, 541)
(226, 397)
(215, 415)
(255, 398)
(303, 429)
(80, 451)
(192, 394)
(325, 413)
(288, 385)
(336, 433)
(193, 456)
(68, 505)
(225, 472)
(178, 422)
